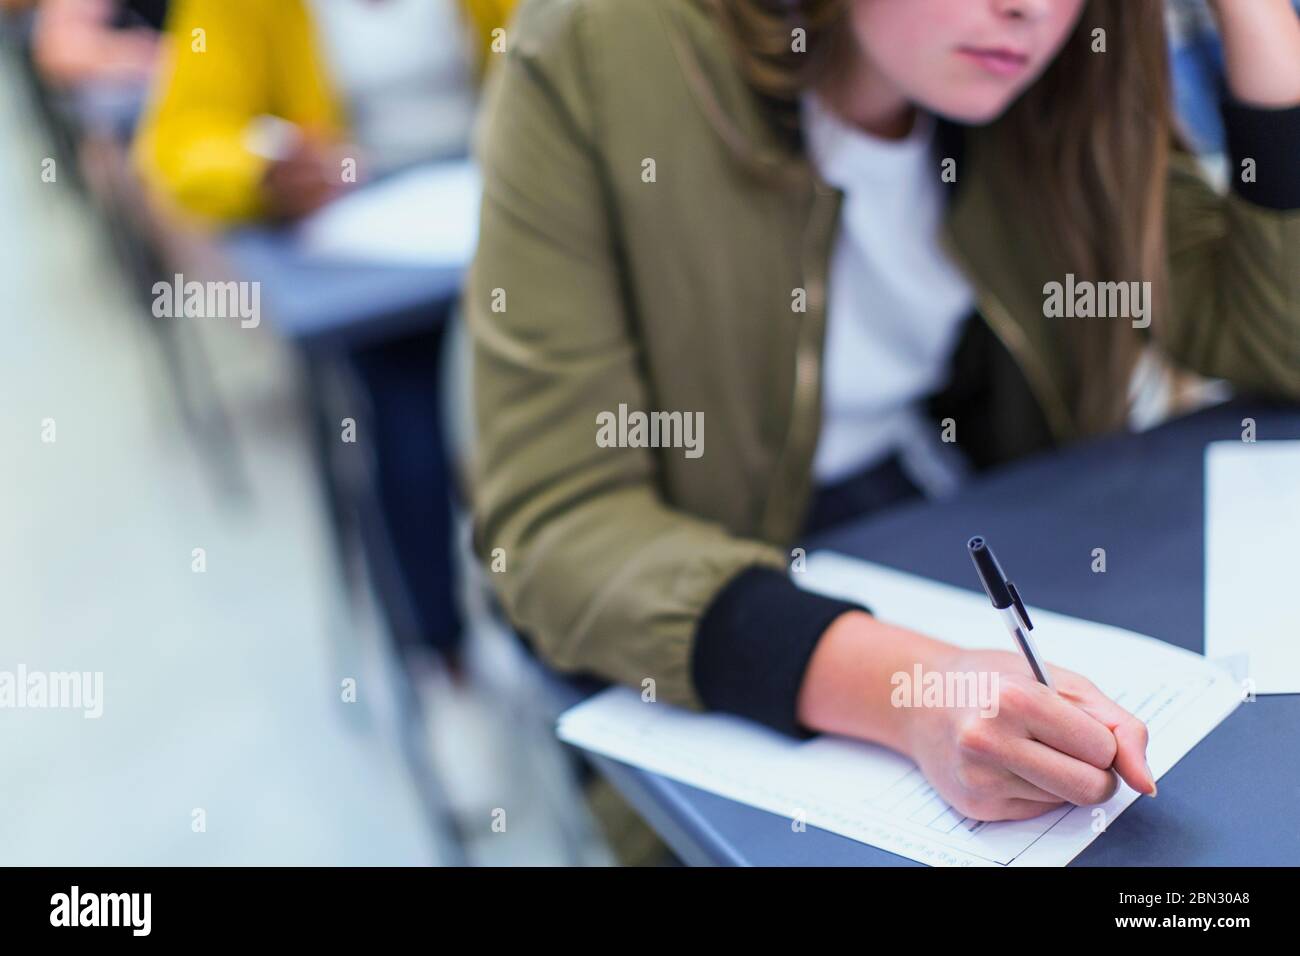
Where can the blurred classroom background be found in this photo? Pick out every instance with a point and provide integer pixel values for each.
(226, 689)
(252, 524)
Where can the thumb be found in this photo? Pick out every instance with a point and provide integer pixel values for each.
(1131, 755)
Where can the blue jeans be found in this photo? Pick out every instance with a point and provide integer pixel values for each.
(415, 487)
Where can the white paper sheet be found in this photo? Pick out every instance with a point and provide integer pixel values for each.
(427, 216)
(879, 797)
(1252, 574)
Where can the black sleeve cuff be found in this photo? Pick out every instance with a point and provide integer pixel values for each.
(753, 644)
(1270, 137)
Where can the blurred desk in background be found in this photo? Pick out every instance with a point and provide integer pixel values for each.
(318, 304)
(107, 110)
(379, 263)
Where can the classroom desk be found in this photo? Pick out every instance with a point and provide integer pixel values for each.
(323, 304)
(1231, 801)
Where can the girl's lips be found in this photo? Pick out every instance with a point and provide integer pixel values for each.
(996, 60)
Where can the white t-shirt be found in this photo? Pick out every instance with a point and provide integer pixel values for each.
(401, 70)
(895, 306)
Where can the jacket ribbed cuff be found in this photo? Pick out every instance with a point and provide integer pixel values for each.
(753, 644)
(1270, 137)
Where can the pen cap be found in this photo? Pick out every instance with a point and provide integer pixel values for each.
(990, 572)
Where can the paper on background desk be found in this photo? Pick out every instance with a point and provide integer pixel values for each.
(1252, 533)
(874, 795)
(427, 216)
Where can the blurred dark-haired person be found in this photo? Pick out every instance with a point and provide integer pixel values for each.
(823, 227)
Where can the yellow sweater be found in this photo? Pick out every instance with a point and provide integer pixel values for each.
(229, 62)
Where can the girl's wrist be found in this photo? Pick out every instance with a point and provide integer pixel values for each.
(848, 686)
(1261, 42)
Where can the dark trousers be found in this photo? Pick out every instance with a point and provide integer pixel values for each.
(415, 487)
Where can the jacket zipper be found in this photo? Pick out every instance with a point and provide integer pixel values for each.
(807, 361)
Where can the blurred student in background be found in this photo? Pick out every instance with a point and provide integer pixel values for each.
(113, 42)
(823, 227)
(262, 101)
(255, 113)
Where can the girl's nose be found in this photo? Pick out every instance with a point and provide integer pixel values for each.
(1021, 9)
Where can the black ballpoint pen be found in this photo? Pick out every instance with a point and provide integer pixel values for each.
(1006, 600)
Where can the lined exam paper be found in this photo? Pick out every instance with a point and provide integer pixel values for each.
(876, 796)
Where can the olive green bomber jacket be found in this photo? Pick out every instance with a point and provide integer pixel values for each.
(643, 237)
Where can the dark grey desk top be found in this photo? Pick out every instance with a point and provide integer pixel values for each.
(321, 304)
(1232, 800)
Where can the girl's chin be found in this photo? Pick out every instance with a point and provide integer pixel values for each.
(971, 114)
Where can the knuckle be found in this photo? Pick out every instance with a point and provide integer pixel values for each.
(1106, 749)
(975, 780)
(964, 774)
(978, 808)
(1076, 792)
(1083, 684)
(1108, 787)
(1013, 695)
(1093, 789)
(975, 738)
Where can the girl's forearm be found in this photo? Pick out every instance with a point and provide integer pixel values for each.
(1261, 46)
(847, 687)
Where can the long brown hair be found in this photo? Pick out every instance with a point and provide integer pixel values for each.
(1087, 145)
